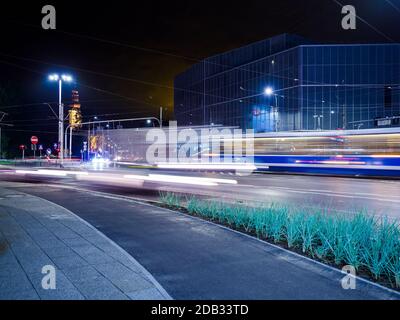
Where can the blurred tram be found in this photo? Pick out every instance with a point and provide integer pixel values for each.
(372, 152)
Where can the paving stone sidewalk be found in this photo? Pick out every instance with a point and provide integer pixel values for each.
(35, 233)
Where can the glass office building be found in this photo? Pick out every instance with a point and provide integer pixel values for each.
(311, 87)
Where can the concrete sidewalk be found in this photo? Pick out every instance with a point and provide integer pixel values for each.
(35, 233)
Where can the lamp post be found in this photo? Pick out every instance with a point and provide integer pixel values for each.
(2, 115)
(331, 112)
(60, 79)
(318, 117)
(268, 91)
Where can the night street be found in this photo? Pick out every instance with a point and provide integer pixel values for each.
(193, 259)
(201, 159)
(375, 196)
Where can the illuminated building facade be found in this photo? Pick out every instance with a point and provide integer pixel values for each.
(288, 83)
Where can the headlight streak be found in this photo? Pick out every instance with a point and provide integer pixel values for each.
(173, 179)
(213, 180)
(56, 173)
(84, 173)
(200, 166)
(50, 173)
(124, 179)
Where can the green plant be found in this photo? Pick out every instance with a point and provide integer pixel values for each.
(277, 222)
(358, 239)
(170, 199)
(381, 248)
(394, 270)
(292, 231)
(308, 228)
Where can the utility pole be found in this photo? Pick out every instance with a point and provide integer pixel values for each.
(2, 115)
(276, 113)
(318, 117)
(70, 142)
(344, 117)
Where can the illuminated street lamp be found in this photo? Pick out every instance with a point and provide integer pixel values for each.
(268, 91)
(319, 117)
(60, 79)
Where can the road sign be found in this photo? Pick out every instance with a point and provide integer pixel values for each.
(48, 151)
(33, 148)
(55, 145)
(40, 147)
(22, 147)
(34, 140)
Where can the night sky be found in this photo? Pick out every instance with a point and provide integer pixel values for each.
(124, 55)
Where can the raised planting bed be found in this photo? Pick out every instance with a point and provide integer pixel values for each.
(368, 243)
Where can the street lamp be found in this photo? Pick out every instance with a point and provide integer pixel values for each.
(268, 91)
(318, 117)
(60, 79)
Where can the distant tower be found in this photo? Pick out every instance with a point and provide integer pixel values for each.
(75, 117)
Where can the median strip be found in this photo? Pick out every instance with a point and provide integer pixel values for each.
(369, 244)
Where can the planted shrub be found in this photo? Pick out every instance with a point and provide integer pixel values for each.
(359, 239)
(170, 199)
(278, 217)
(308, 228)
(381, 248)
(394, 269)
(292, 232)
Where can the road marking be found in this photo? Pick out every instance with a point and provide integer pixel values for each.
(334, 192)
(334, 195)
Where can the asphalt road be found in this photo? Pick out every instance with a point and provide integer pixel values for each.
(193, 259)
(347, 195)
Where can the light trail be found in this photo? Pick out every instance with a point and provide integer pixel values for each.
(213, 180)
(201, 166)
(57, 173)
(174, 179)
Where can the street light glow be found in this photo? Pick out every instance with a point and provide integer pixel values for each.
(268, 91)
(53, 77)
(56, 77)
(66, 78)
